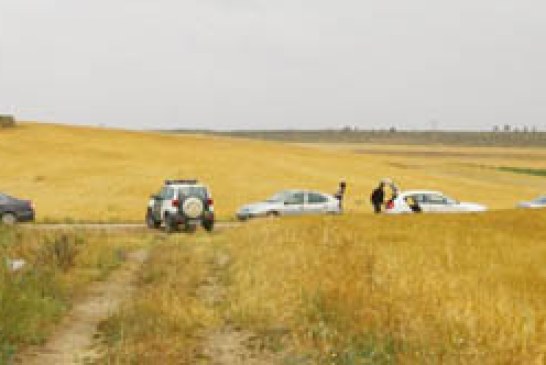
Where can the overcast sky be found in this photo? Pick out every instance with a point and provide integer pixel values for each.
(231, 64)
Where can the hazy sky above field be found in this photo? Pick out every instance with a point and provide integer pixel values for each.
(230, 64)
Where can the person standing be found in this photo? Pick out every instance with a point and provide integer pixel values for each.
(340, 194)
(378, 197)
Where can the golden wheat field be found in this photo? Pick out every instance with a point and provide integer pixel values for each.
(350, 289)
(93, 174)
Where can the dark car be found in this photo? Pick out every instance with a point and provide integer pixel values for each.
(13, 210)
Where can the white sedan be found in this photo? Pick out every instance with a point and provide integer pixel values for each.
(291, 202)
(539, 202)
(426, 201)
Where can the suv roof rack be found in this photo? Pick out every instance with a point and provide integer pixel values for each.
(181, 182)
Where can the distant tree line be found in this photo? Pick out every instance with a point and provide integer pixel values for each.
(7, 121)
(507, 128)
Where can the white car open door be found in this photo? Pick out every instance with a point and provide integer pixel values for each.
(436, 203)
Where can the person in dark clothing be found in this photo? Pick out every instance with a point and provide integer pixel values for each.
(340, 194)
(377, 198)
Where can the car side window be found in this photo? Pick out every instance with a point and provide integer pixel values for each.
(295, 198)
(436, 199)
(194, 191)
(314, 198)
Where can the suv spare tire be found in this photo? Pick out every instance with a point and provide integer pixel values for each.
(193, 207)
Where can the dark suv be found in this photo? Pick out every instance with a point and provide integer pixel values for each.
(13, 210)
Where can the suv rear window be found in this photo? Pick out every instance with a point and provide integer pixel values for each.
(199, 191)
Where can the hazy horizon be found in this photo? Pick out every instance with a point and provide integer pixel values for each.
(298, 64)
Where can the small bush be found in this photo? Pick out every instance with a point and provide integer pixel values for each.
(524, 170)
(61, 251)
(7, 121)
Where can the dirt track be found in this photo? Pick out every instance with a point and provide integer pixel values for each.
(106, 226)
(72, 342)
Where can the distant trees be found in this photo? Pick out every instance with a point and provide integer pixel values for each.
(350, 129)
(7, 121)
(507, 128)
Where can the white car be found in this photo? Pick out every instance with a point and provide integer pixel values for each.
(291, 202)
(539, 202)
(416, 201)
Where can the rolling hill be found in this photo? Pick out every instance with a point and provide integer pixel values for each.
(94, 174)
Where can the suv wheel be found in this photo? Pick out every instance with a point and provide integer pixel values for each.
(208, 225)
(171, 225)
(9, 219)
(150, 221)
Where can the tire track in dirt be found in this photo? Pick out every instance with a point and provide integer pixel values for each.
(227, 345)
(72, 342)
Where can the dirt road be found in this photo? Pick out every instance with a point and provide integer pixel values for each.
(106, 226)
(72, 342)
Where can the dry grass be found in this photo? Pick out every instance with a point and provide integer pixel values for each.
(416, 289)
(161, 325)
(320, 290)
(346, 290)
(106, 175)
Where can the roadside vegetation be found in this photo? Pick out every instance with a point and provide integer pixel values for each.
(348, 290)
(42, 273)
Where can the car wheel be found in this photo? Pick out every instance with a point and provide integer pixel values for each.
(171, 225)
(208, 225)
(272, 214)
(9, 219)
(150, 221)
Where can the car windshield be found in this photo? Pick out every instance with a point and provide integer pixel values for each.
(280, 197)
(541, 200)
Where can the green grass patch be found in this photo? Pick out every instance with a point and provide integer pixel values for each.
(57, 267)
(523, 170)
